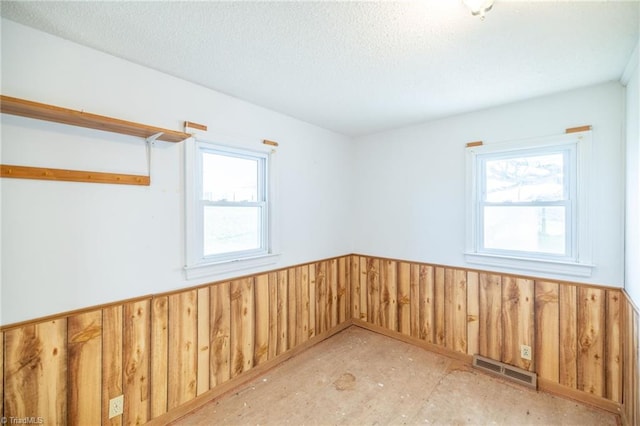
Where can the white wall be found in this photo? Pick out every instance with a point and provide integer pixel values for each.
(409, 193)
(632, 232)
(73, 245)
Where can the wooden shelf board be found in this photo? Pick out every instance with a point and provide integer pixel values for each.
(41, 173)
(24, 108)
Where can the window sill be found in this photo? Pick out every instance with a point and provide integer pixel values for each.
(210, 269)
(535, 265)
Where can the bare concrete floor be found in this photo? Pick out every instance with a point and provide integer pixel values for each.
(358, 377)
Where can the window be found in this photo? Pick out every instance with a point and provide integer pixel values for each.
(228, 209)
(528, 206)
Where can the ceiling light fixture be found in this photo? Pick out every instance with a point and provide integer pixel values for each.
(479, 7)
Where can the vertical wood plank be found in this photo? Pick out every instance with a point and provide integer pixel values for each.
(439, 307)
(203, 344)
(427, 303)
(364, 289)
(160, 355)
(547, 325)
(305, 302)
(518, 320)
(312, 300)
(292, 311)
(273, 315)
(135, 353)
(449, 311)
(389, 295)
(112, 360)
(283, 319)
(414, 300)
(321, 297)
(220, 310)
(242, 322)
(459, 309)
(332, 293)
(613, 373)
(568, 307)
(373, 289)
(1, 374)
(183, 347)
(355, 286)
(261, 293)
(300, 307)
(36, 371)
(490, 315)
(404, 298)
(343, 289)
(473, 313)
(85, 368)
(591, 326)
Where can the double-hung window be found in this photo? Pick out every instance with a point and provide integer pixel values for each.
(528, 207)
(228, 209)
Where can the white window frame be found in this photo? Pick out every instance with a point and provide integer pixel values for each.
(578, 260)
(197, 264)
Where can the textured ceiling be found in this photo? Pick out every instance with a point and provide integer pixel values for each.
(356, 67)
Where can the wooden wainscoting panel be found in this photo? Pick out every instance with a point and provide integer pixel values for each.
(355, 286)
(473, 313)
(273, 315)
(459, 310)
(1, 374)
(283, 320)
(439, 298)
(344, 271)
(490, 340)
(373, 290)
(35, 377)
(427, 303)
(518, 320)
(220, 312)
(322, 297)
(389, 295)
(112, 356)
(242, 323)
(591, 322)
(203, 344)
(135, 357)
(261, 294)
(404, 298)
(159, 355)
(568, 309)
(183, 347)
(613, 344)
(292, 308)
(547, 338)
(84, 333)
(311, 271)
(332, 293)
(414, 300)
(304, 303)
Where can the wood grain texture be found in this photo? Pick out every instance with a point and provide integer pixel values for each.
(343, 290)
(373, 290)
(84, 333)
(613, 344)
(591, 320)
(36, 371)
(547, 339)
(518, 321)
(261, 293)
(283, 322)
(459, 311)
(414, 300)
(220, 311)
(292, 308)
(112, 360)
(312, 300)
(203, 344)
(322, 319)
(273, 315)
(159, 355)
(365, 298)
(305, 303)
(389, 295)
(427, 303)
(439, 299)
(355, 286)
(242, 323)
(404, 298)
(568, 308)
(44, 173)
(332, 293)
(300, 308)
(1, 374)
(490, 340)
(183, 347)
(135, 353)
(473, 313)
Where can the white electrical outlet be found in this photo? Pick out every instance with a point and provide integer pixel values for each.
(525, 352)
(116, 406)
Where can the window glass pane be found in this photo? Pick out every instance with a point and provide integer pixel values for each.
(226, 178)
(231, 229)
(525, 178)
(534, 229)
